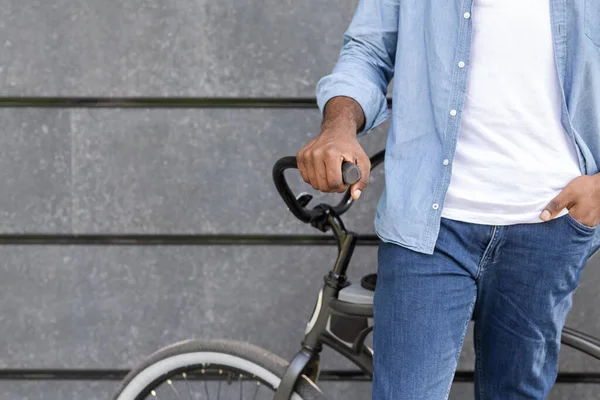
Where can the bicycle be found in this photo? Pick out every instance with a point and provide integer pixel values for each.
(341, 319)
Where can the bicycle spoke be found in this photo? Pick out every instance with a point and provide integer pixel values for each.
(187, 385)
(256, 390)
(241, 388)
(170, 383)
(219, 392)
(203, 371)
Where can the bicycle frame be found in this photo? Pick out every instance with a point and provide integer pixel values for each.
(306, 360)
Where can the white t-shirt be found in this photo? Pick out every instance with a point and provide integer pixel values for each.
(513, 155)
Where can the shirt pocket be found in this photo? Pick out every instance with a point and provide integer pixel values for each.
(592, 20)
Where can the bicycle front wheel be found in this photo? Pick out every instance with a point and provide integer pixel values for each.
(211, 369)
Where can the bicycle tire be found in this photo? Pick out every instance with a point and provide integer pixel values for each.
(247, 357)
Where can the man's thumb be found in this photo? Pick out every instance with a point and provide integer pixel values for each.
(555, 206)
(357, 189)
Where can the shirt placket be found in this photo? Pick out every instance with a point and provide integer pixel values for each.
(457, 98)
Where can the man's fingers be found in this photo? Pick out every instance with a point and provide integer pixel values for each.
(333, 164)
(301, 167)
(556, 205)
(301, 159)
(364, 165)
(319, 170)
(309, 165)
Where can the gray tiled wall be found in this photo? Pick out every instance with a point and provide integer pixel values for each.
(178, 48)
(168, 171)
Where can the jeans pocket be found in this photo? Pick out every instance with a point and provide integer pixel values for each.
(579, 226)
(592, 21)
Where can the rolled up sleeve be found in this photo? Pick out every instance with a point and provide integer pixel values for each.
(366, 62)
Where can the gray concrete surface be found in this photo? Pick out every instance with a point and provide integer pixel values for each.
(181, 48)
(169, 171)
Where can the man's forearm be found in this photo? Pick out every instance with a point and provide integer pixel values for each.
(343, 111)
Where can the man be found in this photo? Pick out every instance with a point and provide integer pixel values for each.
(492, 192)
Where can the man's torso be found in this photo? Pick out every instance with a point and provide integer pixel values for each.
(429, 98)
(513, 155)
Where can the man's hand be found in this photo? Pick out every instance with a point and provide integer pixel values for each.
(320, 161)
(581, 197)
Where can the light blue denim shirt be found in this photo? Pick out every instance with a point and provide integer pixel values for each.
(420, 44)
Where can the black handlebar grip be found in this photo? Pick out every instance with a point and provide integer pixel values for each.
(350, 173)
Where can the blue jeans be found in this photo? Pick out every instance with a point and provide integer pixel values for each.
(516, 282)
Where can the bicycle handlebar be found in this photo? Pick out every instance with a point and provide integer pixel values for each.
(350, 174)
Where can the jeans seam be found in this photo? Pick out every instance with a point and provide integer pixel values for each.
(462, 342)
(486, 252)
(478, 352)
(479, 357)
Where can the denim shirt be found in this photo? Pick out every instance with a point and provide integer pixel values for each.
(425, 46)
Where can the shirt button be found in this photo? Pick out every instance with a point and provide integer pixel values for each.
(446, 162)
(461, 64)
(453, 113)
(467, 15)
(435, 206)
